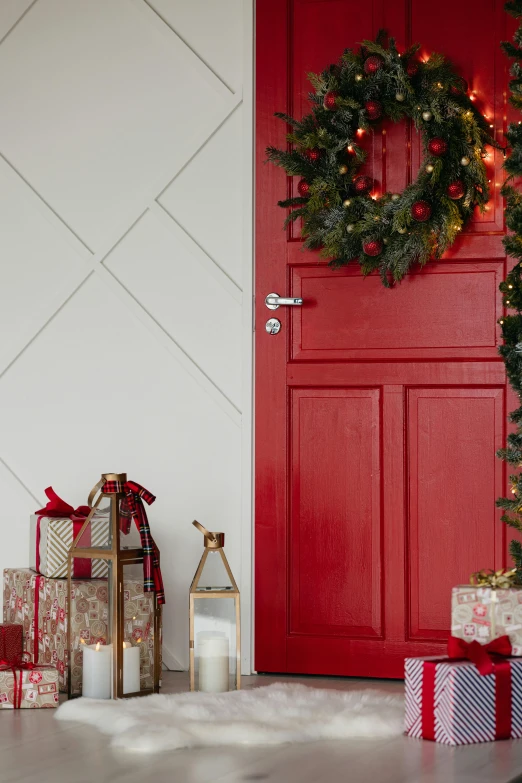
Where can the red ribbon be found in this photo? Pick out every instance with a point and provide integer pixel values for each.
(132, 508)
(58, 508)
(36, 619)
(479, 654)
(14, 666)
(488, 660)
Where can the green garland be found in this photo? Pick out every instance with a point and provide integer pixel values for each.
(511, 350)
(392, 231)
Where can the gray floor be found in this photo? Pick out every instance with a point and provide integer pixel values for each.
(34, 748)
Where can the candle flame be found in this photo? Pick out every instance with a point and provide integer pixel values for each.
(139, 640)
(97, 646)
(124, 645)
(82, 641)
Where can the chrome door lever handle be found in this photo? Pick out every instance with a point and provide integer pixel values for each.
(273, 301)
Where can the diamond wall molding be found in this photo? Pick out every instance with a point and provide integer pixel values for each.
(92, 258)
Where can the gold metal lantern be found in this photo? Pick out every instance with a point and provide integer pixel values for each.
(117, 652)
(214, 618)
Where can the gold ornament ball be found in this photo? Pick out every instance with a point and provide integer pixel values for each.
(347, 202)
(350, 227)
(427, 116)
(343, 168)
(395, 196)
(399, 96)
(401, 230)
(429, 168)
(465, 161)
(358, 77)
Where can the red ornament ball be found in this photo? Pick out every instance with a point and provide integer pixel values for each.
(373, 110)
(303, 188)
(373, 64)
(421, 211)
(412, 68)
(330, 100)
(313, 155)
(437, 146)
(455, 189)
(373, 248)
(362, 185)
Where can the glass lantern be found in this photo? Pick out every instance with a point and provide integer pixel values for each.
(215, 632)
(114, 626)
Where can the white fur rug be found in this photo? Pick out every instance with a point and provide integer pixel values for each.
(271, 715)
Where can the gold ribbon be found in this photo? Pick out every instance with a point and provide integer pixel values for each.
(498, 580)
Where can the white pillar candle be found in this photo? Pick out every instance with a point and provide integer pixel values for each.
(131, 668)
(97, 671)
(213, 651)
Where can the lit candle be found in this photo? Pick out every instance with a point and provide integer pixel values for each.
(213, 654)
(131, 668)
(97, 671)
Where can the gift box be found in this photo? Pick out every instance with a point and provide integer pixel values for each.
(481, 613)
(25, 685)
(11, 642)
(40, 605)
(50, 539)
(451, 702)
(53, 529)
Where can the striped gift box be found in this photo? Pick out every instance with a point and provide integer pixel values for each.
(452, 703)
(49, 550)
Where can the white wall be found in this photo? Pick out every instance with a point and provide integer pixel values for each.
(126, 270)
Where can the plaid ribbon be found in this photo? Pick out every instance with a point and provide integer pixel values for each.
(132, 508)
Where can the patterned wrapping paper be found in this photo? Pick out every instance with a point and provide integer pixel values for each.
(483, 614)
(452, 703)
(28, 689)
(56, 537)
(23, 589)
(11, 642)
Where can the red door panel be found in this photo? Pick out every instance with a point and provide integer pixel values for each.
(378, 412)
(454, 307)
(452, 518)
(336, 521)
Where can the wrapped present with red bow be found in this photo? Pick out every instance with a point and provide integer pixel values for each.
(26, 685)
(39, 606)
(52, 532)
(472, 695)
(11, 641)
(489, 607)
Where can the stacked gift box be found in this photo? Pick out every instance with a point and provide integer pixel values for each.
(474, 694)
(36, 617)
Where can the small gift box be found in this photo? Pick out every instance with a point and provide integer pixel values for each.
(25, 685)
(472, 696)
(11, 642)
(51, 534)
(481, 613)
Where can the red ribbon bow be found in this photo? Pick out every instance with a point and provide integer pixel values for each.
(56, 507)
(132, 508)
(482, 655)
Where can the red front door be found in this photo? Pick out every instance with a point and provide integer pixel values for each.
(378, 412)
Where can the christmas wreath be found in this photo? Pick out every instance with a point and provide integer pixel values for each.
(342, 212)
